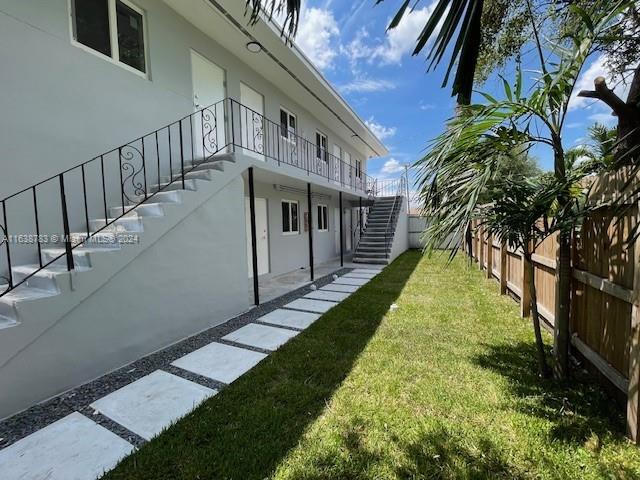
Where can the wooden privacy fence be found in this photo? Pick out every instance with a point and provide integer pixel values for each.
(605, 297)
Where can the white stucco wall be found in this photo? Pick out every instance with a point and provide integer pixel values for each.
(191, 279)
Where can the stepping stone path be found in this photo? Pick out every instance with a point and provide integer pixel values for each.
(74, 448)
(77, 448)
(261, 336)
(151, 404)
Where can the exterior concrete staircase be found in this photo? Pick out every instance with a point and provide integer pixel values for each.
(377, 238)
(107, 236)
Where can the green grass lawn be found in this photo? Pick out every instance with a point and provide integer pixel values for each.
(442, 387)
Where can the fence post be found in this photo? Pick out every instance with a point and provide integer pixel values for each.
(503, 268)
(525, 298)
(489, 256)
(633, 395)
(480, 247)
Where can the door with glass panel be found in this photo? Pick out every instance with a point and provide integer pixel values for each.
(336, 164)
(288, 152)
(251, 118)
(321, 157)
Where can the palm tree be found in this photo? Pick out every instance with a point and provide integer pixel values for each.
(459, 19)
(464, 158)
(522, 213)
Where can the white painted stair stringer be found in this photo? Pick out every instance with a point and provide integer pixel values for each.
(36, 314)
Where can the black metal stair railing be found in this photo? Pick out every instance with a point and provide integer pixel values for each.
(390, 227)
(125, 177)
(122, 178)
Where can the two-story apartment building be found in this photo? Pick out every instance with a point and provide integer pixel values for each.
(157, 157)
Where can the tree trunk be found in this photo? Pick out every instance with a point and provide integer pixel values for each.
(543, 368)
(627, 149)
(563, 276)
(563, 299)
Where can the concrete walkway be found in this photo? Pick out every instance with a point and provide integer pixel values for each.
(77, 448)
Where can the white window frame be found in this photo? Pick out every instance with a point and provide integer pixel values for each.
(113, 37)
(324, 153)
(289, 202)
(323, 218)
(289, 132)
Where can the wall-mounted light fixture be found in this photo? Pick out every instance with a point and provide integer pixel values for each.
(254, 47)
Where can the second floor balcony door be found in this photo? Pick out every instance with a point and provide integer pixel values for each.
(208, 122)
(336, 164)
(252, 122)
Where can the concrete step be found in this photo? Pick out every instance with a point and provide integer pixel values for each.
(108, 240)
(203, 174)
(44, 279)
(120, 225)
(217, 165)
(176, 185)
(371, 254)
(143, 210)
(9, 302)
(168, 196)
(375, 261)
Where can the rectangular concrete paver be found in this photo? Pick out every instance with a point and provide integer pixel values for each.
(308, 305)
(351, 281)
(336, 287)
(368, 276)
(261, 336)
(152, 403)
(290, 318)
(327, 295)
(220, 362)
(73, 448)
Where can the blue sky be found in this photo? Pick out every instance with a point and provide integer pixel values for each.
(392, 91)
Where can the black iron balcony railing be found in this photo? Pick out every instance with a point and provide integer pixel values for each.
(43, 224)
(272, 141)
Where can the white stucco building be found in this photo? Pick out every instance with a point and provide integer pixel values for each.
(150, 149)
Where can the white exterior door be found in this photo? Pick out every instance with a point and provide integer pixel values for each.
(262, 236)
(208, 121)
(337, 163)
(252, 121)
(348, 176)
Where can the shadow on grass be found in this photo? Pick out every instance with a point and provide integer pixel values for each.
(579, 412)
(437, 454)
(248, 428)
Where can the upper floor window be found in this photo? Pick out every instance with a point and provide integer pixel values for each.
(288, 124)
(358, 168)
(321, 146)
(114, 28)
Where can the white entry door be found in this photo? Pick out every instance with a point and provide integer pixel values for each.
(252, 121)
(262, 236)
(208, 120)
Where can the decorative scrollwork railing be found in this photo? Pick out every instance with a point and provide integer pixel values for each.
(132, 165)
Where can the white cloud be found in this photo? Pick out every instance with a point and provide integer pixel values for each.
(316, 36)
(597, 68)
(604, 118)
(426, 106)
(367, 85)
(392, 166)
(379, 130)
(401, 40)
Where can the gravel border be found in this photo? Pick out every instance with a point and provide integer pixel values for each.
(80, 398)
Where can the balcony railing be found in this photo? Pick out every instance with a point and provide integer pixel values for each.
(271, 141)
(44, 223)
